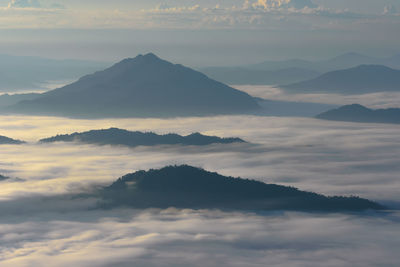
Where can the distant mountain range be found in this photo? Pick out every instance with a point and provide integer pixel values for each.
(194, 188)
(359, 80)
(115, 136)
(145, 86)
(31, 73)
(246, 76)
(6, 140)
(345, 61)
(293, 70)
(358, 113)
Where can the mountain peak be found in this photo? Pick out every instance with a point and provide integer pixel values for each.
(144, 86)
(147, 57)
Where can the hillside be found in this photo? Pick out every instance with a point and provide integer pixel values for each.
(358, 113)
(114, 136)
(190, 187)
(6, 140)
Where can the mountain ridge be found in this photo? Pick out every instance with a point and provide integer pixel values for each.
(115, 136)
(358, 80)
(191, 187)
(359, 113)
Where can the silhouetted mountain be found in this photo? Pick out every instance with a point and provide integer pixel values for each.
(189, 187)
(9, 100)
(345, 61)
(246, 76)
(114, 136)
(358, 80)
(3, 178)
(145, 86)
(29, 73)
(358, 113)
(6, 140)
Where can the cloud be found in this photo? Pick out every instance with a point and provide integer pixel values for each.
(334, 158)
(373, 100)
(298, 4)
(389, 10)
(24, 4)
(40, 225)
(198, 238)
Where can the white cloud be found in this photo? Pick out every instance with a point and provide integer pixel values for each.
(24, 4)
(389, 10)
(298, 4)
(198, 238)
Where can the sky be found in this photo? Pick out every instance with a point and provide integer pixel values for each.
(199, 33)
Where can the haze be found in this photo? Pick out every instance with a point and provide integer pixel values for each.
(199, 133)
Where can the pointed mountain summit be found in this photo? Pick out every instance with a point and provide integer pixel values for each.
(145, 86)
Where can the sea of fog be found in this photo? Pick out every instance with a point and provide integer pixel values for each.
(41, 227)
(372, 100)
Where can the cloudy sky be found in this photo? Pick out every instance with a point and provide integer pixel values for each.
(207, 32)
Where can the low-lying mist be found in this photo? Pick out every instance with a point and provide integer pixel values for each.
(40, 225)
(333, 158)
(200, 238)
(372, 100)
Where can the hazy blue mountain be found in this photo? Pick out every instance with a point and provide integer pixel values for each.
(358, 80)
(244, 76)
(145, 86)
(27, 73)
(6, 140)
(190, 187)
(8, 100)
(115, 136)
(358, 113)
(345, 61)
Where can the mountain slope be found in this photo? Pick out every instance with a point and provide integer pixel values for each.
(359, 80)
(114, 136)
(190, 187)
(6, 140)
(358, 113)
(12, 99)
(145, 86)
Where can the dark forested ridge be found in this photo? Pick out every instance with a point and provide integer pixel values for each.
(6, 140)
(190, 187)
(145, 86)
(115, 136)
(359, 113)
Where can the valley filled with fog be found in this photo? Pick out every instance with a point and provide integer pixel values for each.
(41, 223)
